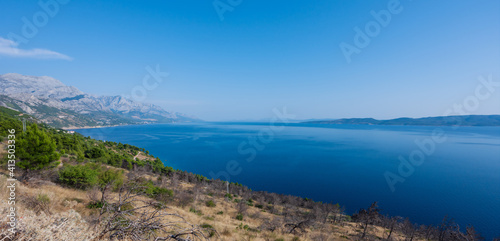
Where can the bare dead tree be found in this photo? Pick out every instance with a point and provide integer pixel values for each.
(184, 198)
(445, 228)
(409, 229)
(174, 181)
(391, 223)
(471, 234)
(271, 224)
(242, 206)
(197, 190)
(93, 194)
(428, 232)
(297, 225)
(367, 217)
(297, 222)
(134, 217)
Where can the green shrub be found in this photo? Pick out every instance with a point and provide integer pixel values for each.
(210, 203)
(206, 225)
(220, 213)
(239, 216)
(110, 177)
(158, 193)
(96, 205)
(193, 210)
(94, 152)
(78, 200)
(78, 176)
(241, 226)
(43, 199)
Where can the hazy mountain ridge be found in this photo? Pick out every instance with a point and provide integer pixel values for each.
(464, 120)
(57, 104)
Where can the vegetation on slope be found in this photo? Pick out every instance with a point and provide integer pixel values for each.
(122, 192)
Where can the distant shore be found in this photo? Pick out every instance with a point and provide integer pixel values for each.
(88, 127)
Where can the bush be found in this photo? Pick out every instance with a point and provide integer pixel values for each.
(210, 203)
(206, 225)
(39, 203)
(193, 210)
(96, 205)
(78, 176)
(110, 177)
(158, 193)
(43, 199)
(94, 152)
(210, 228)
(239, 216)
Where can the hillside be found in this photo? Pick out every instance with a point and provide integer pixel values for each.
(71, 187)
(465, 120)
(59, 105)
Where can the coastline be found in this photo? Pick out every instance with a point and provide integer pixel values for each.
(88, 127)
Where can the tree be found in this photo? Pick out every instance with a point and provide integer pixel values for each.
(79, 176)
(131, 217)
(94, 153)
(471, 234)
(391, 223)
(36, 150)
(408, 229)
(367, 217)
(108, 178)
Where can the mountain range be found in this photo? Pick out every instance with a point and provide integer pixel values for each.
(462, 120)
(59, 105)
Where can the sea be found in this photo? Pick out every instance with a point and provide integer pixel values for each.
(421, 172)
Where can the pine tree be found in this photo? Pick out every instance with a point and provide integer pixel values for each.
(36, 150)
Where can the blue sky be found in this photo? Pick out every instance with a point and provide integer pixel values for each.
(265, 54)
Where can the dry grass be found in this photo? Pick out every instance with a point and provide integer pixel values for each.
(69, 205)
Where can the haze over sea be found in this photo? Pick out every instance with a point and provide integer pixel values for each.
(342, 164)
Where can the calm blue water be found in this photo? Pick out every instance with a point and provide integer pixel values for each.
(343, 164)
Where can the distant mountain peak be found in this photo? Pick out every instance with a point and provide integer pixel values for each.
(30, 80)
(58, 104)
